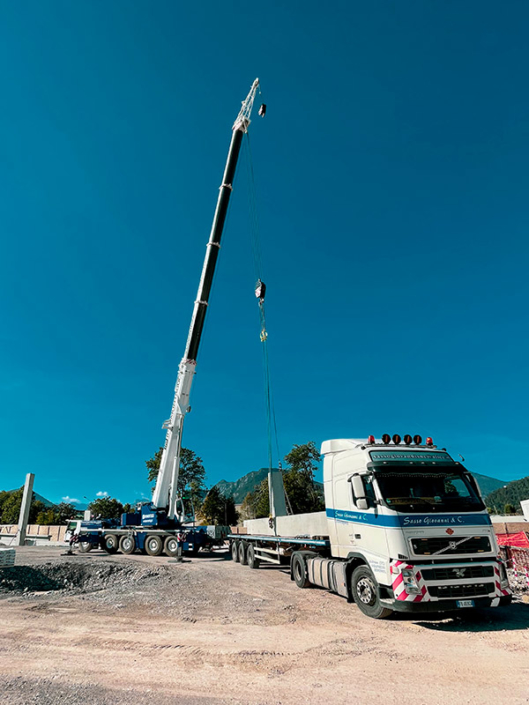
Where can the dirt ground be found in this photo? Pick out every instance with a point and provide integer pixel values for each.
(106, 630)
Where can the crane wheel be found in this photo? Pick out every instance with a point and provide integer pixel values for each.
(153, 545)
(85, 546)
(111, 543)
(127, 544)
(235, 551)
(243, 553)
(251, 558)
(171, 546)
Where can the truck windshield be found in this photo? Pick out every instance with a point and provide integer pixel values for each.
(423, 491)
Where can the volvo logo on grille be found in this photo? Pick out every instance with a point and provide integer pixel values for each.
(460, 572)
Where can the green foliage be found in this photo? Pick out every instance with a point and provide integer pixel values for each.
(106, 508)
(303, 493)
(10, 503)
(509, 509)
(59, 514)
(192, 476)
(128, 507)
(513, 493)
(218, 509)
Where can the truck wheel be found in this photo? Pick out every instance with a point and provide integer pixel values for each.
(235, 551)
(111, 543)
(171, 546)
(365, 593)
(299, 571)
(252, 559)
(243, 553)
(153, 545)
(85, 546)
(127, 544)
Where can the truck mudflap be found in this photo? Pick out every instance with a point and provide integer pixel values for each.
(412, 593)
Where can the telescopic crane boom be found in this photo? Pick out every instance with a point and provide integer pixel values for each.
(165, 492)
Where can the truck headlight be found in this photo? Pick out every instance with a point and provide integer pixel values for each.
(410, 583)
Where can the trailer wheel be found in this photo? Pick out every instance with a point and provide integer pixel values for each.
(127, 544)
(299, 571)
(85, 546)
(252, 559)
(153, 545)
(235, 551)
(243, 555)
(364, 588)
(111, 543)
(171, 546)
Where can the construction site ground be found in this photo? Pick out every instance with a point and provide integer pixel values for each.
(109, 630)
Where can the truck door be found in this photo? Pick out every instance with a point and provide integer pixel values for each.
(370, 533)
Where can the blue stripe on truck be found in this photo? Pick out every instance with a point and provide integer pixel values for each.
(409, 520)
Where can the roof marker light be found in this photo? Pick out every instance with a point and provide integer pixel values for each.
(429, 441)
(371, 439)
(417, 440)
(396, 439)
(407, 439)
(386, 438)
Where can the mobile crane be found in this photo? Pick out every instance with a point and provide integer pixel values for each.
(160, 525)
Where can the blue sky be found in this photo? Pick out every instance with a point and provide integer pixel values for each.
(391, 175)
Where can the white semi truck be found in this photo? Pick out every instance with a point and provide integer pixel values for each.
(404, 530)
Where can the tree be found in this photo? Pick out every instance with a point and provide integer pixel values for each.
(58, 514)
(192, 476)
(106, 508)
(509, 509)
(10, 504)
(218, 509)
(303, 494)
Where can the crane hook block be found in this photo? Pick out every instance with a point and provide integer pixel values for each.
(262, 110)
(260, 290)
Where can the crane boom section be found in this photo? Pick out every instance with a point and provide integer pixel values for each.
(165, 492)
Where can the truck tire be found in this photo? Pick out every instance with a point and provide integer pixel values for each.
(127, 544)
(252, 559)
(171, 546)
(243, 553)
(299, 570)
(364, 589)
(153, 545)
(235, 551)
(85, 546)
(111, 543)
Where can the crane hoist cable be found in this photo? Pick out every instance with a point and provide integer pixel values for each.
(260, 293)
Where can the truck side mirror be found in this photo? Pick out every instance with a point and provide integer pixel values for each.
(359, 492)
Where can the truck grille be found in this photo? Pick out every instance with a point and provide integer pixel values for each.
(457, 591)
(458, 573)
(450, 547)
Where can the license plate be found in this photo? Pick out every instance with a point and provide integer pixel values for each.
(465, 603)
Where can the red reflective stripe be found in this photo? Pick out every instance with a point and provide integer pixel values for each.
(398, 580)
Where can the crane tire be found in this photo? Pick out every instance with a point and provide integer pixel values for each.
(252, 559)
(243, 553)
(171, 546)
(111, 544)
(153, 545)
(299, 570)
(85, 546)
(127, 544)
(235, 551)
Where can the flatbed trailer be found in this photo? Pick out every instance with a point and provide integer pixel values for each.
(253, 549)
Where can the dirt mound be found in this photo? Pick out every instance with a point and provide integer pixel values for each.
(67, 576)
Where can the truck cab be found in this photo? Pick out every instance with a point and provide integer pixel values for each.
(414, 518)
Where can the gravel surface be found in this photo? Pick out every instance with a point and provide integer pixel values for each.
(97, 629)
